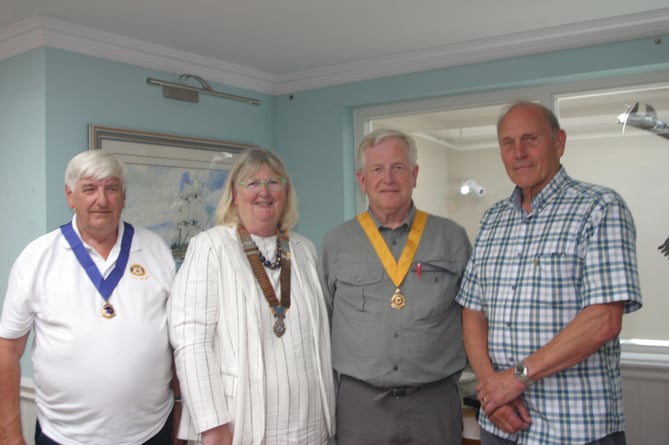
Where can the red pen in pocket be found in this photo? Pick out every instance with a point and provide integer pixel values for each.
(418, 270)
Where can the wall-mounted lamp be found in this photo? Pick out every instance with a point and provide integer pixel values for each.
(471, 186)
(181, 91)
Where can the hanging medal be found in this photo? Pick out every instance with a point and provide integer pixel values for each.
(397, 301)
(108, 311)
(396, 270)
(279, 325)
(105, 286)
(278, 309)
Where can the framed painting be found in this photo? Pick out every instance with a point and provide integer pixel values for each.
(174, 182)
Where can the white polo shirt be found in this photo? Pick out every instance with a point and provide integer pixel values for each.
(97, 380)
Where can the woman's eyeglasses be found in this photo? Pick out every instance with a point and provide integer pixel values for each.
(254, 185)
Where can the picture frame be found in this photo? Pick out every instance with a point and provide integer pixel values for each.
(174, 182)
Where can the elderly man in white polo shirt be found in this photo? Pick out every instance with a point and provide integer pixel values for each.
(94, 293)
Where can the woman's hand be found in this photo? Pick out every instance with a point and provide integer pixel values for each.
(221, 435)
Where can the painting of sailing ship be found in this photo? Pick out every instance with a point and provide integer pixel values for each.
(190, 196)
(193, 211)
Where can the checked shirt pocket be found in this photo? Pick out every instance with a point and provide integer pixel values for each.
(559, 274)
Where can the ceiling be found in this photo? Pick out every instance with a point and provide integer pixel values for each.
(286, 45)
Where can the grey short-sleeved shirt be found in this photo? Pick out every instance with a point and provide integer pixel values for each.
(380, 345)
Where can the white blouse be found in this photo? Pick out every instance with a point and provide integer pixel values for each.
(231, 366)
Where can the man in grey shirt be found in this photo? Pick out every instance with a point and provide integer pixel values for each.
(390, 277)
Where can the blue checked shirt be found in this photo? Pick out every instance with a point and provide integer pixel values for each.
(531, 274)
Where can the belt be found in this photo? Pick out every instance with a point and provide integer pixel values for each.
(397, 392)
(402, 391)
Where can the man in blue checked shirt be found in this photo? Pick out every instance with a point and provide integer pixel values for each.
(552, 273)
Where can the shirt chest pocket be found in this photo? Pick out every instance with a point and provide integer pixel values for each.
(358, 289)
(434, 287)
(562, 274)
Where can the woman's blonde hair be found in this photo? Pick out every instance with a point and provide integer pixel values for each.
(248, 163)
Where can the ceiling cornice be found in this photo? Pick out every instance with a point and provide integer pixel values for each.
(633, 26)
(36, 32)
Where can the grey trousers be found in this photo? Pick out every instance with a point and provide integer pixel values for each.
(367, 415)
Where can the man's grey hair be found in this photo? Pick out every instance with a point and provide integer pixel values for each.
(379, 135)
(96, 164)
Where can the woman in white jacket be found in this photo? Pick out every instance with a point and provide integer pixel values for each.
(248, 322)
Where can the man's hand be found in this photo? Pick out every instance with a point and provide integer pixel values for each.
(498, 389)
(512, 417)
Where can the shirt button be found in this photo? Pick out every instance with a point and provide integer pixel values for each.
(513, 287)
(508, 323)
(395, 368)
(396, 334)
(510, 359)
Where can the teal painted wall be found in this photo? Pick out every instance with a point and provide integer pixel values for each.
(314, 129)
(22, 144)
(22, 164)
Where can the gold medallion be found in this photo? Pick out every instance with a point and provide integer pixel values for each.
(108, 311)
(397, 301)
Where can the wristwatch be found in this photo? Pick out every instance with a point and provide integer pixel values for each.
(521, 373)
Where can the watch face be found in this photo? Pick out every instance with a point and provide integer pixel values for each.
(521, 373)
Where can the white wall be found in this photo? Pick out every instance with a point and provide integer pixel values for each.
(645, 373)
(432, 194)
(485, 167)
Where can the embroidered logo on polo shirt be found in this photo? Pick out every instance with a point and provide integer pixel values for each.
(138, 271)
